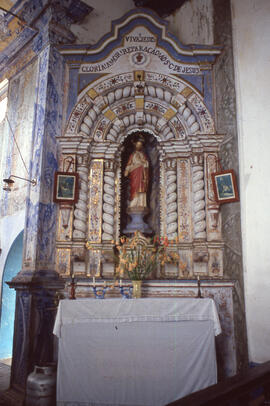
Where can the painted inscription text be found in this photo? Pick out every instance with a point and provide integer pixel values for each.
(172, 66)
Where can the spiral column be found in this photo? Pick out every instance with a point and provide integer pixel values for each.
(80, 212)
(198, 197)
(171, 199)
(108, 201)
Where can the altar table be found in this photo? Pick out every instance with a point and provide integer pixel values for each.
(134, 352)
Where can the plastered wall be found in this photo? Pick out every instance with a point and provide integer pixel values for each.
(192, 24)
(251, 35)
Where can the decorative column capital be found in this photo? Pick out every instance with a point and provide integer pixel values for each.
(170, 164)
(109, 165)
(197, 159)
(83, 159)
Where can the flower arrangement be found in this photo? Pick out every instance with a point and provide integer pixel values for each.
(139, 256)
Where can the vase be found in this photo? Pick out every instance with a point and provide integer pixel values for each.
(137, 289)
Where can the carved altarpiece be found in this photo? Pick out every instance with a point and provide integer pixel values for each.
(161, 89)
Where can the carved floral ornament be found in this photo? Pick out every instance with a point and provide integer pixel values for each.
(169, 107)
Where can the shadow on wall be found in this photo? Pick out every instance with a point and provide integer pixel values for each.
(12, 267)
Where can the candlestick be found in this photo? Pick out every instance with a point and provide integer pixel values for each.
(72, 295)
(94, 281)
(199, 295)
(120, 283)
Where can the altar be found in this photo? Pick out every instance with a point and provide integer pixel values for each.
(134, 352)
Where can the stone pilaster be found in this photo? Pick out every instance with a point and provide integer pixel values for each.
(226, 124)
(37, 283)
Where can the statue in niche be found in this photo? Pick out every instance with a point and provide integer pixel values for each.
(137, 170)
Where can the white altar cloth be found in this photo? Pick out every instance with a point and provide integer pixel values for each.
(134, 352)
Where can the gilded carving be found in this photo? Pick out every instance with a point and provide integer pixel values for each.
(80, 211)
(92, 93)
(163, 228)
(139, 102)
(184, 200)
(108, 113)
(138, 75)
(170, 113)
(158, 103)
(117, 203)
(186, 92)
(95, 200)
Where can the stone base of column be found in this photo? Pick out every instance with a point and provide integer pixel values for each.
(33, 342)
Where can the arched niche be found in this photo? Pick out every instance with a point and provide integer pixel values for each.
(152, 151)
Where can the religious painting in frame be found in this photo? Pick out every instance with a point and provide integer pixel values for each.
(225, 187)
(66, 187)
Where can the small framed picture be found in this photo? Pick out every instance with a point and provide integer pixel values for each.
(225, 187)
(65, 187)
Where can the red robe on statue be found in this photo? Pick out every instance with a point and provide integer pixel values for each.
(137, 167)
